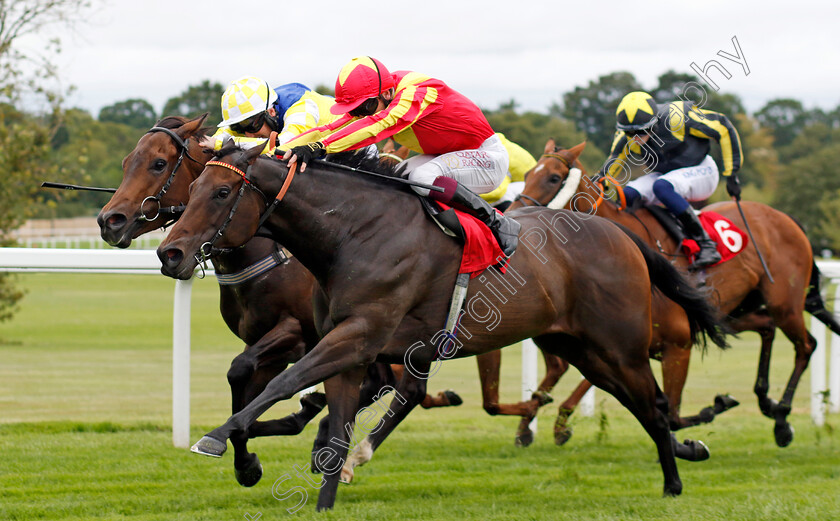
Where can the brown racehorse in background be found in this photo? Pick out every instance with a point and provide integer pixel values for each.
(742, 289)
(387, 273)
(271, 311)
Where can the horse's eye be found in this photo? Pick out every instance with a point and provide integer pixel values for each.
(223, 193)
(554, 179)
(159, 165)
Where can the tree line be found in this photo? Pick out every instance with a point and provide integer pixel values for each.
(790, 151)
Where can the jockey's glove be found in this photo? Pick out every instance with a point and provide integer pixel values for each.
(306, 153)
(733, 186)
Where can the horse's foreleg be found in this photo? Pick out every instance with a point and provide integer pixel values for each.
(408, 394)
(448, 398)
(248, 375)
(379, 378)
(343, 399)
(337, 352)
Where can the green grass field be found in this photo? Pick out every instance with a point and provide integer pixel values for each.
(85, 412)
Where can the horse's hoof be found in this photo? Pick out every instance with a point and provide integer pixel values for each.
(783, 433)
(562, 435)
(208, 446)
(524, 438)
(453, 398)
(251, 474)
(673, 490)
(314, 400)
(701, 451)
(724, 402)
(707, 415)
(542, 397)
(346, 475)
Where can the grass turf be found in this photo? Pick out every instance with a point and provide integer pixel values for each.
(85, 408)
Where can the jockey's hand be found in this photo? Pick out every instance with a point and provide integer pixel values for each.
(733, 187)
(304, 154)
(208, 142)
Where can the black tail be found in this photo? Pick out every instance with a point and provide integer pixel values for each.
(814, 303)
(703, 318)
(813, 300)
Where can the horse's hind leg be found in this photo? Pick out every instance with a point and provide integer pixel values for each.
(625, 373)
(555, 367)
(448, 398)
(489, 368)
(793, 325)
(562, 430)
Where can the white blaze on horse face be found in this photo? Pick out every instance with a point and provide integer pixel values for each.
(568, 191)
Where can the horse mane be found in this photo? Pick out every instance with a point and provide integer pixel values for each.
(358, 159)
(173, 122)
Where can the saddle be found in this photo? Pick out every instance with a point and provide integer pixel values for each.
(729, 239)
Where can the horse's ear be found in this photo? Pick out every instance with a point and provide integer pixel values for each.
(550, 146)
(254, 152)
(576, 150)
(191, 127)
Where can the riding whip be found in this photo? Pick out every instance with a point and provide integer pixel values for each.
(755, 244)
(47, 184)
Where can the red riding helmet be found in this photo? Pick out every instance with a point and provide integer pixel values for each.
(361, 79)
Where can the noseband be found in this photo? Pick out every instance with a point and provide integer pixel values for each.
(174, 211)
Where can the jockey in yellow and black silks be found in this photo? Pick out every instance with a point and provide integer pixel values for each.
(672, 142)
(458, 149)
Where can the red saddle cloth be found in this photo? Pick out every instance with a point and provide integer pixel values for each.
(730, 240)
(480, 247)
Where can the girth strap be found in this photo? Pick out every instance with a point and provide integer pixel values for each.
(278, 257)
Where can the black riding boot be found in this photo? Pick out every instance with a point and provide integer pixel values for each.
(505, 229)
(708, 253)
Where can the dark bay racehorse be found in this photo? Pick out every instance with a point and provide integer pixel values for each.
(387, 274)
(269, 308)
(742, 289)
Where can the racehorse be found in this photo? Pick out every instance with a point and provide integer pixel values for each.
(742, 288)
(386, 274)
(265, 294)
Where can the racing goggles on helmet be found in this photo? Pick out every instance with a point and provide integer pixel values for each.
(250, 125)
(367, 108)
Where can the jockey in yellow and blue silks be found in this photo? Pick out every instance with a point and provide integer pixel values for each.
(252, 112)
(672, 142)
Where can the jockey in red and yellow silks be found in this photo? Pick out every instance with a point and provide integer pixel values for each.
(459, 151)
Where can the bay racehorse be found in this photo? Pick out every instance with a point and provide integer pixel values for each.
(580, 287)
(265, 295)
(741, 287)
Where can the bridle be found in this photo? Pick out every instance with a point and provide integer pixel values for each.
(173, 211)
(208, 249)
(533, 201)
(599, 180)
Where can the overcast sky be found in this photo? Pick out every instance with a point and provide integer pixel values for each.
(531, 51)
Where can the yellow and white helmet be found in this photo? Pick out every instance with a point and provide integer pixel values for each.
(245, 97)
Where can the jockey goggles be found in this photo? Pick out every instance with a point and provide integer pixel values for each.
(250, 125)
(367, 108)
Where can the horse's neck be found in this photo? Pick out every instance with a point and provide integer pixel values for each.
(326, 214)
(640, 222)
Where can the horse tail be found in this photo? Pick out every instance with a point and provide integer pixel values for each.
(814, 302)
(813, 299)
(703, 318)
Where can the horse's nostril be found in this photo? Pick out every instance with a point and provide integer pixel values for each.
(172, 254)
(116, 220)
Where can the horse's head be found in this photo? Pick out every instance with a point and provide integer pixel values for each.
(223, 212)
(150, 187)
(544, 182)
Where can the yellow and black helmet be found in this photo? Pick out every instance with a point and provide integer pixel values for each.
(637, 111)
